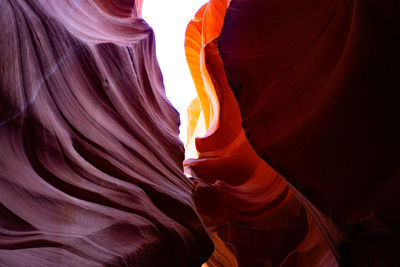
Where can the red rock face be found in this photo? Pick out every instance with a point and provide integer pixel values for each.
(313, 85)
(90, 163)
(317, 95)
(255, 217)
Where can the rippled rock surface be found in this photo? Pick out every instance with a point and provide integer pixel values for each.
(90, 163)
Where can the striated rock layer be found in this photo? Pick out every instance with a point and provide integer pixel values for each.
(300, 162)
(90, 163)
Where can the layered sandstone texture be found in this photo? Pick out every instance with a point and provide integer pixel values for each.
(293, 136)
(299, 165)
(90, 163)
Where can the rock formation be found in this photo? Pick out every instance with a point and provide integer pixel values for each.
(301, 101)
(90, 163)
(293, 136)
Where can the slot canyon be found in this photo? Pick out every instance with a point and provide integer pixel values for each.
(292, 150)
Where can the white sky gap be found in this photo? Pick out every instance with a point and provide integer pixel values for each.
(169, 20)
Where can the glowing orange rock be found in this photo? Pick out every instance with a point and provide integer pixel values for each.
(238, 195)
(312, 80)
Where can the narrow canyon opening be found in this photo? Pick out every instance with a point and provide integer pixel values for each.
(169, 22)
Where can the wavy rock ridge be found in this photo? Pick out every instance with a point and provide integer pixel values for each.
(90, 163)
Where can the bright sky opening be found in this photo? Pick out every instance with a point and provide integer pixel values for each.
(169, 21)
